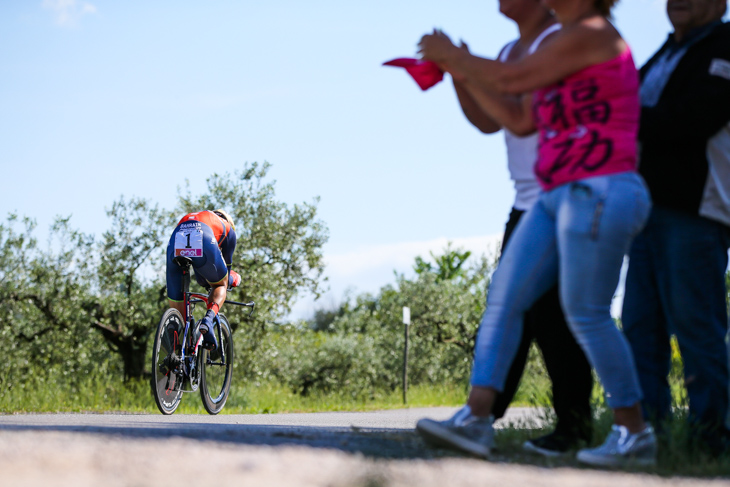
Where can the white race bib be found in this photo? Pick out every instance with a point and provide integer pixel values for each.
(189, 242)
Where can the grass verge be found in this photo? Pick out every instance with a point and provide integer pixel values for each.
(45, 395)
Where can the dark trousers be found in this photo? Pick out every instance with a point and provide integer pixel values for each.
(565, 361)
(676, 285)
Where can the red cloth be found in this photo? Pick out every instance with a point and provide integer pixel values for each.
(425, 73)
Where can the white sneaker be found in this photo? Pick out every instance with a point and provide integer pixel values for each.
(463, 431)
(623, 449)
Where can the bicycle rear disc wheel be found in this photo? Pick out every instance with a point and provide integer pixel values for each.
(216, 369)
(167, 379)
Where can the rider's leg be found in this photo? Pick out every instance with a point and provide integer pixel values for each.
(216, 298)
(178, 305)
(217, 293)
(174, 279)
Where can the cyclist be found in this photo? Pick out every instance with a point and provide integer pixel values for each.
(208, 238)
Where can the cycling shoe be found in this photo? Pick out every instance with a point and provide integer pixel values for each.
(206, 329)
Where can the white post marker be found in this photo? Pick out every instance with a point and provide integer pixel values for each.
(406, 322)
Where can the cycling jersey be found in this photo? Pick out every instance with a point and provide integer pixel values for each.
(224, 233)
(209, 241)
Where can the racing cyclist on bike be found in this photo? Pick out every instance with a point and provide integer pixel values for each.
(208, 238)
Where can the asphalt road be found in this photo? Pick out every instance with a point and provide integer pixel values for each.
(383, 434)
(371, 449)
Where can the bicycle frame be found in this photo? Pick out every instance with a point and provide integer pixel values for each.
(190, 299)
(179, 362)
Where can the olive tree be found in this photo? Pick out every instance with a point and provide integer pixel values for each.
(129, 292)
(43, 291)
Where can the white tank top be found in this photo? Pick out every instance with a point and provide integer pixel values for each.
(522, 151)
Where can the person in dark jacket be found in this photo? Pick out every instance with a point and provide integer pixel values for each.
(676, 279)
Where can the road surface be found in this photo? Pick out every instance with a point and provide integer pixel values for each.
(371, 449)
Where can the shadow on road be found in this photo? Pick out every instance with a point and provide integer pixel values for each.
(370, 442)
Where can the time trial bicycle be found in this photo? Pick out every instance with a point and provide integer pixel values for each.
(180, 363)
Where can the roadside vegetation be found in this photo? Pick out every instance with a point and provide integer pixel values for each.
(79, 315)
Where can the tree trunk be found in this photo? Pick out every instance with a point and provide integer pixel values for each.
(133, 354)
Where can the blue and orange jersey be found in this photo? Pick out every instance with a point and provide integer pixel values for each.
(223, 232)
(221, 228)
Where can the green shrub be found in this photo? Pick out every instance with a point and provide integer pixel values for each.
(315, 362)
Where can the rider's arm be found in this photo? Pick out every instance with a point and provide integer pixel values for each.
(228, 246)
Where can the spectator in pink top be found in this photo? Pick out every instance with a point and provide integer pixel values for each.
(544, 323)
(580, 92)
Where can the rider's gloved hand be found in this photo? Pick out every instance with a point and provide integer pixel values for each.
(234, 279)
(206, 329)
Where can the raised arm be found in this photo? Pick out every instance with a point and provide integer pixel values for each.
(573, 48)
(512, 112)
(473, 112)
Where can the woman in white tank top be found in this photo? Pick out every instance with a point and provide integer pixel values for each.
(522, 151)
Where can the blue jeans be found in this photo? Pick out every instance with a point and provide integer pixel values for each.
(676, 285)
(576, 234)
(566, 363)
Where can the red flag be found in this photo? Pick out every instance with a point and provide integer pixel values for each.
(425, 73)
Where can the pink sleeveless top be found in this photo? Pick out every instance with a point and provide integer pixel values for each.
(588, 123)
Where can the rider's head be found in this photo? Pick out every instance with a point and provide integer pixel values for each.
(224, 215)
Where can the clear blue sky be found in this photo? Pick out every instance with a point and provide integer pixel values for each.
(100, 99)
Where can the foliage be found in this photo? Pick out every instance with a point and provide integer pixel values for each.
(42, 293)
(126, 306)
(59, 298)
(317, 362)
(446, 302)
(324, 317)
(449, 265)
(445, 315)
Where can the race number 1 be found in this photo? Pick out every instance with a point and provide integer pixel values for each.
(189, 243)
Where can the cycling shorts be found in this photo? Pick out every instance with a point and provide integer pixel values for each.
(195, 240)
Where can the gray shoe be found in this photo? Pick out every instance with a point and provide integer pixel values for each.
(463, 431)
(623, 449)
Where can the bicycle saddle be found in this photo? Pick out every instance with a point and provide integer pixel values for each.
(183, 261)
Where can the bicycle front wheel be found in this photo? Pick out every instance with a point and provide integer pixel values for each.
(167, 376)
(216, 368)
